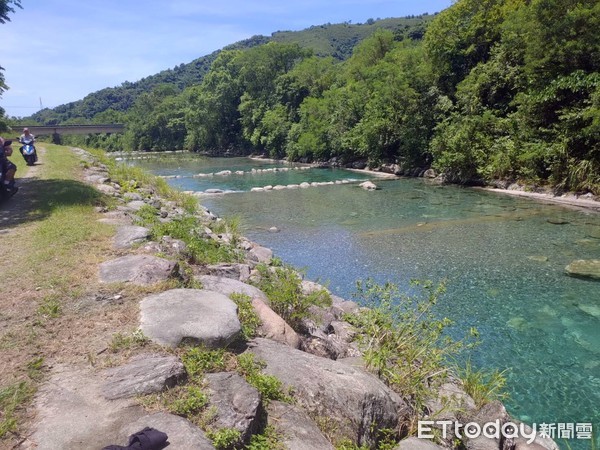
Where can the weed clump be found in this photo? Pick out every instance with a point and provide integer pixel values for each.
(283, 287)
(404, 342)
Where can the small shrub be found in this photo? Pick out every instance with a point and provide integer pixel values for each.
(270, 387)
(248, 318)
(50, 308)
(12, 399)
(147, 216)
(34, 368)
(269, 439)
(282, 285)
(199, 360)
(201, 250)
(403, 340)
(224, 438)
(483, 386)
(191, 400)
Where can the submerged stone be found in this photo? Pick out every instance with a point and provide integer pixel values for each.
(584, 268)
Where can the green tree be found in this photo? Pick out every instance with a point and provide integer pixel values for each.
(261, 67)
(212, 118)
(156, 122)
(6, 7)
(463, 35)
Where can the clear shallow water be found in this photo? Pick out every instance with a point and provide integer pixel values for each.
(503, 260)
(187, 169)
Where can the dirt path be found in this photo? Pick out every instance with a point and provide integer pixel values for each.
(50, 312)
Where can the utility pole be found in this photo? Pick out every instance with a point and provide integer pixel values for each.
(41, 106)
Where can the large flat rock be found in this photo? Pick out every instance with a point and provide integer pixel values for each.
(205, 317)
(355, 402)
(72, 413)
(298, 430)
(128, 235)
(144, 374)
(230, 286)
(136, 269)
(237, 404)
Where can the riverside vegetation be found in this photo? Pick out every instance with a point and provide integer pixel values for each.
(399, 338)
(484, 91)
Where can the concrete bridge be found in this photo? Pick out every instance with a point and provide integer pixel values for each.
(71, 129)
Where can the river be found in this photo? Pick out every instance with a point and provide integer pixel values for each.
(503, 259)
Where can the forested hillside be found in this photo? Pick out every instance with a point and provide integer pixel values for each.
(335, 40)
(496, 89)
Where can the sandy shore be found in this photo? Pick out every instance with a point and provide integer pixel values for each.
(567, 200)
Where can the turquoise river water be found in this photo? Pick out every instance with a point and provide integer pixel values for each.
(502, 258)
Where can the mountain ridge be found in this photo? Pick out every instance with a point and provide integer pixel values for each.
(335, 40)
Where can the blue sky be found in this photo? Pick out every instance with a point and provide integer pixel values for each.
(61, 50)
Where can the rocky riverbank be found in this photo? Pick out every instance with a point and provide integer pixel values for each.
(330, 399)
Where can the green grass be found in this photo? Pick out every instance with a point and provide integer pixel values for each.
(127, 341)
(249, 320)
(16, 397)
(483, 386)
(201, 249)
(270, 387)
(224, 438)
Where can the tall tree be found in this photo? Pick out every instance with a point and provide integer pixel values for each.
(6, 7)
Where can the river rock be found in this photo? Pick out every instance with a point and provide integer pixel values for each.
(129, 196)
(584, 268)
(129, 235)
(228, 286)
(135, 205)
(236, 271)
(141, 270)
(205, 317)
(237, 404)
(71, 413)
(107, 189)
(356, 403)
(557, 221)
(368, 185)
(98, 178)
(260, 254)
(173, 246)
(144, 374)
(299, 431)
(273, 326)
(489, 413)
(593, 233)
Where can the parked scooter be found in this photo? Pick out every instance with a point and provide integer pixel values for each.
(7, 190)
(28, 150)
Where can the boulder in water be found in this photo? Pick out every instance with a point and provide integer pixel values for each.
(584, 268)
(368, 185)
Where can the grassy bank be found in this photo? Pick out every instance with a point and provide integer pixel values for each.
(49, 257)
